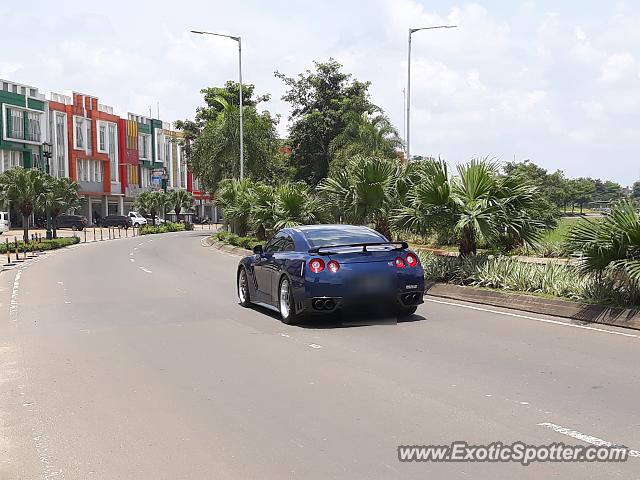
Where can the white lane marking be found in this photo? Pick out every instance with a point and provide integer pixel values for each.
(67, 302)
(527, 317)
(131, 260)
(13, 305)
(524, 403)
(284, 335)
(145, 270)
(60, 283)
(584, 437)
(314, 345)
(131, 254)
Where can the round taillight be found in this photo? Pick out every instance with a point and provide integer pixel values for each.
(412, 260)
(316, 265)
(399, 262)
(333, 266)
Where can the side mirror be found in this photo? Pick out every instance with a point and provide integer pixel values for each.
(257, 250)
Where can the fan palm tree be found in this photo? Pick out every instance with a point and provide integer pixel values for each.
(235, 197)
(150, 203)
(263, 210)
(295, 205)
(179, 200)
(363, 192)
(609, 243)
(477, 205)
(61, 195)
(25, 189)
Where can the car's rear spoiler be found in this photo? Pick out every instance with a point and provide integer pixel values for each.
(321, 250)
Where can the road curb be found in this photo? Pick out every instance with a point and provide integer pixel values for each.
(238, 251)
(584, 312)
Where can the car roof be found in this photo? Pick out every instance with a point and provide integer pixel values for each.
(339, 226)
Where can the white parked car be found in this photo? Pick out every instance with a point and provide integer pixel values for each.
(4, 222)
(137, 219)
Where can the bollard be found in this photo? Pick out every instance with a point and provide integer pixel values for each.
(94, 234)
(101, 239)
(8, 252)
(85, 235)
(15, 240)
(119, 233)
(126, 232)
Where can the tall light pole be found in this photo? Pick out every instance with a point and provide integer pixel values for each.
(408, 126)
(239, 40)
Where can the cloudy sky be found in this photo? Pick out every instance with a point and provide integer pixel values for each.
(554, 82)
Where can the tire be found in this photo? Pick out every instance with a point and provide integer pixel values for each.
(403, 312)
(286, 303)
(244, 297)
(74, 228)
(136, 225)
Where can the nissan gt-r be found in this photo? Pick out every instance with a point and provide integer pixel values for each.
(320, 269)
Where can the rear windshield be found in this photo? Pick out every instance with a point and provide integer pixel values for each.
(338, 236)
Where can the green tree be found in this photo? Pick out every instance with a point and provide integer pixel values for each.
(25, 189)
(179, 200)
(582, 191)
(322, 102)
(364, 192)
(296, 205)
(235, 197)
(150, 203)
(635, 192)
(61, 195)
(366, 135)
(609, 244)
(212, 141)
(477, 205)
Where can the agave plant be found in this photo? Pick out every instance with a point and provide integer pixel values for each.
(611, 243)
(477, 205)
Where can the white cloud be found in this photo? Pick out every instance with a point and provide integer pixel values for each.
(619, 66)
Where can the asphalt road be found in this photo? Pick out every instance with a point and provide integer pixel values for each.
(132, 360)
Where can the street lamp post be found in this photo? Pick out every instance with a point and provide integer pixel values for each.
(408, 123)
(47, 153)
(239, 40)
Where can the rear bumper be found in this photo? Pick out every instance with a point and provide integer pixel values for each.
(326, 304)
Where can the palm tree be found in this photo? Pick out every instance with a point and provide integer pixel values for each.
(363, 192)
(150, 203)
(295, 205)
(611, 243)
(179, 199)
(25, 189)
(369, 135)
(263, 210)
(235, 197)
(477, 205)
(61, 195)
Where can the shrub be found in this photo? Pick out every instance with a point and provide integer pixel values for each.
(39, 245)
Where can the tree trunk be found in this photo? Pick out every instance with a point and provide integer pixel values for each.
(467, 242)
(383, 227)
(25, 228)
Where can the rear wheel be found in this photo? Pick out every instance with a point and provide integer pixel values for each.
(136, 224)
(243, 288)
(286, 303)
(74, 228)
(403, 311)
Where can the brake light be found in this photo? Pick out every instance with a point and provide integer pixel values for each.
(399, 262)
(412, 260)
(333, 266)
(316, 265)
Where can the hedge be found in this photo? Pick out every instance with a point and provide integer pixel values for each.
(39, 245)
(164, 228)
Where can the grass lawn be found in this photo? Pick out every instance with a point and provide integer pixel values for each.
(561, 231)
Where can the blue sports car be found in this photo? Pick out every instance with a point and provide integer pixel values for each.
(319, 269)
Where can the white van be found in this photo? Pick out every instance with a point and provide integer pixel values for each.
(137, 219)
(4, 222)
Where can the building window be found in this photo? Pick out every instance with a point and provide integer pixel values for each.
(60, 143)
(113, 152)
(90, 170)
(132, 174)
(9, 159)
(15, 123)
(78, 141)
(144, 146)
(102, 137)
(87, 123)
(33, 133)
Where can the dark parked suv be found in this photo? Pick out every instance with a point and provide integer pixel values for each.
(115, 221)
(74, 222)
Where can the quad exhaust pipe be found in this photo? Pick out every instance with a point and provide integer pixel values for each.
(324, 303)
(410, 298)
